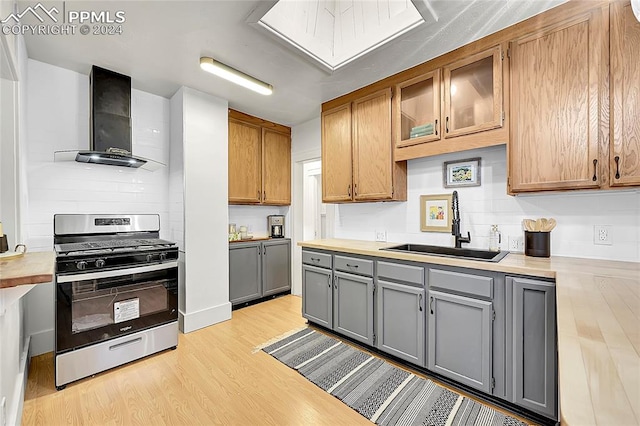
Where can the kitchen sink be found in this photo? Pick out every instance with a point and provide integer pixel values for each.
(463, 253)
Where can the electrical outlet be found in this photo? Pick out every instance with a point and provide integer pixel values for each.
(516, 244)
(602, 235)
(381, 236)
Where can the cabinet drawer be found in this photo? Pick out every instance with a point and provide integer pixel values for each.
(322, 260)
(476, 285)
(402, 273)
(355, 265)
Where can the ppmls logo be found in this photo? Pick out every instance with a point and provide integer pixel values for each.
(52, 22)
(34, 11)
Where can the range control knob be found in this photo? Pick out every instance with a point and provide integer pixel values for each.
(149, 257)
(81, 265)
(163, 256)
(100, 263)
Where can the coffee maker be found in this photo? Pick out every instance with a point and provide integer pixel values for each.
(275, 225)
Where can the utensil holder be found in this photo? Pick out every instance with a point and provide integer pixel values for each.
(4, 244)
(537, 244)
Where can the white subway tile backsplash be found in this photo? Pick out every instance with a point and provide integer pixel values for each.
(480, 207)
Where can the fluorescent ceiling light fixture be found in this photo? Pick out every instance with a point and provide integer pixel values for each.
(235, 76)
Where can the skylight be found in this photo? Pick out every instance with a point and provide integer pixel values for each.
(335, 32)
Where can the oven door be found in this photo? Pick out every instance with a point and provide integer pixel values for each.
(93, 307)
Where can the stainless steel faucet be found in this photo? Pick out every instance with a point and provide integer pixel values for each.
(455, 223)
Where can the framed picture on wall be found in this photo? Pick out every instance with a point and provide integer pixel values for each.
(461, 173)
(435, 213)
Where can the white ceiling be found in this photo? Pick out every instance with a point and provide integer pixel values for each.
(162, 42)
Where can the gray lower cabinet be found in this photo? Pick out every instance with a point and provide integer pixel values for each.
(353, 306)
(258, 269)
(533, 341)
(401, 321)
(317, 295)
(245, 272)
(276, 267)
(460, 339)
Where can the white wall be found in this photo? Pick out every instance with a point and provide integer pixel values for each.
(58, 119)
(204, 144)
(305, 146)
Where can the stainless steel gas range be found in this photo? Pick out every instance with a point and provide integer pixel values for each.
(116, 292)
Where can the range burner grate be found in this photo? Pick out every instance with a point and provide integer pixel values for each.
(111, 244)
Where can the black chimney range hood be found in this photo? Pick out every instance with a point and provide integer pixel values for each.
(110, 124)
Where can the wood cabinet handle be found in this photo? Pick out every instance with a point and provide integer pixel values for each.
(420, 302)
(617, 160)
(349, 190)
(258, 194)
(431, 305)
(595, 170)
(435, 127)
(355, 189)
(446, 125)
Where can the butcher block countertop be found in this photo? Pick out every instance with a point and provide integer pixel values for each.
(32, 268)
(598, 312)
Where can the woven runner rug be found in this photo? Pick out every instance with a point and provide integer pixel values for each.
(382, 393)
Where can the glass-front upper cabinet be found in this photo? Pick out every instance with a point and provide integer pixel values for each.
(418, 110)
(473, 94)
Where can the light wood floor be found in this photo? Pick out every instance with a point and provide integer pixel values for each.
(214, 377)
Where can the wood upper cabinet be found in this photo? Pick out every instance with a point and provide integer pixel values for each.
(473, 94)
(357, 152)
(624, 154)
(245, 163)
(372, 148)
(276, 183)
(455, 107)
(337, 172)
(259, 161)
(417, 110)
(558, 75)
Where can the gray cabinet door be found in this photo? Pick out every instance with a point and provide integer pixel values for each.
(353, 306)
(460, 339)
(317, 301)
(400, 317)
(244, 272)
(276, 267)
(534, 345)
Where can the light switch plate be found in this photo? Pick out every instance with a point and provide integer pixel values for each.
(516, 244)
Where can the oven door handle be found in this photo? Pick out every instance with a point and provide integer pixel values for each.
(115, 272)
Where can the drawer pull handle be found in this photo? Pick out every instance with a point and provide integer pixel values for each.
(617, 159)
(329, 281)
(127, 343)
(435, 127)
(315, 259)
(335, 283)
(595, 170)
(349, 190)
(431, 305)
(351, 266)
(447, 124)
(420, 302)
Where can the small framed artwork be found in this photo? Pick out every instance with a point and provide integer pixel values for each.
(435, 213)
(461, 173)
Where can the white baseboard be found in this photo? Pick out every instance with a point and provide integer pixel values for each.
(42, 342)
(192, 321)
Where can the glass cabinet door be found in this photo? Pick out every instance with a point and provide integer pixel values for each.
(418, 110)
(473, 94)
